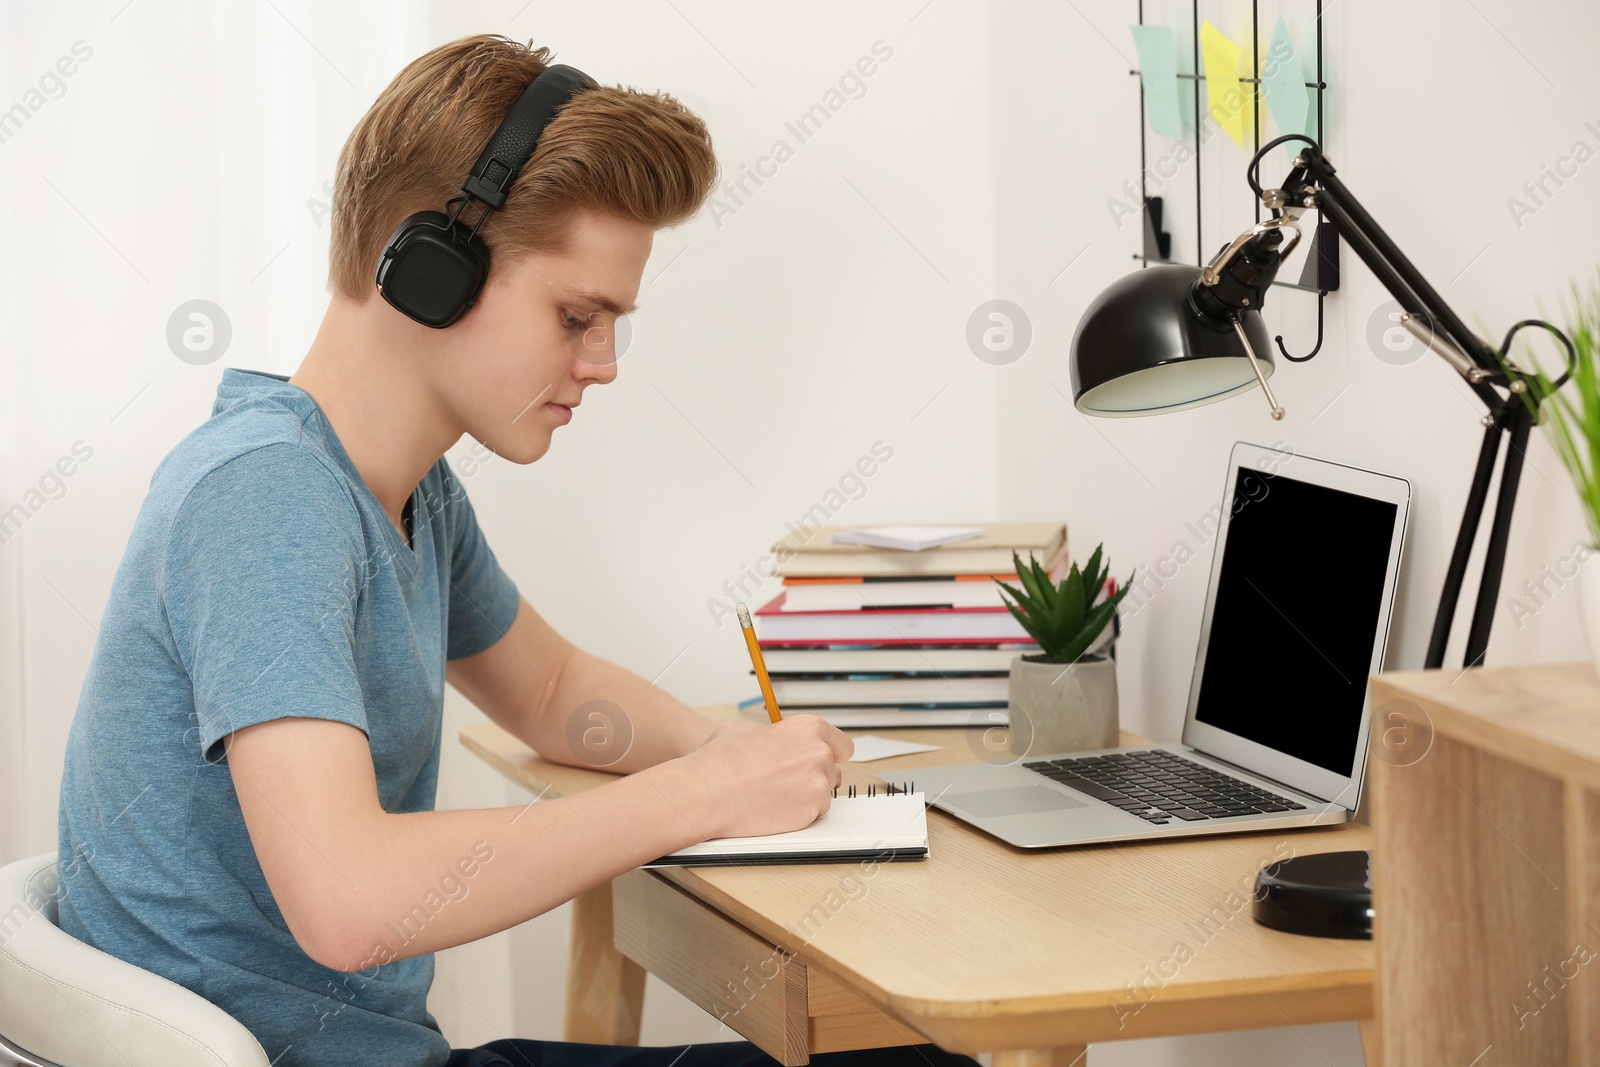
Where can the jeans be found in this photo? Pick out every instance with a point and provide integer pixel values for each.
(520, 1052)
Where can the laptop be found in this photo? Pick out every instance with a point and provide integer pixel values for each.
(1303, 576)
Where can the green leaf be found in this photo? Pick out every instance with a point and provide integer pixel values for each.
(1026, 602)
(1093, 623)
(1050, 594)
(1029, 612)
(1123, 589)
(1092, 575)
(1029, 579)
(1028, 625)
(1071, 608)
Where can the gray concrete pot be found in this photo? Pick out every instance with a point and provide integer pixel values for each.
(1063, 707)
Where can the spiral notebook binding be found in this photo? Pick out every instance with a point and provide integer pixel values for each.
(889, 790)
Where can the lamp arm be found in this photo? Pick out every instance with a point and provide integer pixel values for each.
(1313, 183)
(1448, 337)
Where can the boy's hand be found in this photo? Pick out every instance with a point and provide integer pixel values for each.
(752, 780)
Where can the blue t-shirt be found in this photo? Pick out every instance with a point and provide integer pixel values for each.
(263, 580)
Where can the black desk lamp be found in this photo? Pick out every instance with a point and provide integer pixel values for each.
(1171, 337)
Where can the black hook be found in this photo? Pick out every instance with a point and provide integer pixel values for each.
(1321, 296)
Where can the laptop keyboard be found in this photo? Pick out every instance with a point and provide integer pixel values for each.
(1159, 786)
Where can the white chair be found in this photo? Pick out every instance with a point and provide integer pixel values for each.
(65, 1004)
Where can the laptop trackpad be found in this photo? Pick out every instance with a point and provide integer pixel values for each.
(1016, 800)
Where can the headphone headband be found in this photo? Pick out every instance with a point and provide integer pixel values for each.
(518, 135)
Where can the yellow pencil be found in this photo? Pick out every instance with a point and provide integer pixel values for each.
(761, 666)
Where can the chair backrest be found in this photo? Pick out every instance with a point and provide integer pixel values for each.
(67, 1003)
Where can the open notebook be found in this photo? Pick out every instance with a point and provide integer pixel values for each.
(891, 826)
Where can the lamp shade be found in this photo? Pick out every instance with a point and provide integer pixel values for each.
(1143, 348)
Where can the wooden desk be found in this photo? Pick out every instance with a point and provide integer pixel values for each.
(981, 947)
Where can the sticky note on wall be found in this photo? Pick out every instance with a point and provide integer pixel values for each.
(1283, 82)
(1226, 95)
(1158, 73)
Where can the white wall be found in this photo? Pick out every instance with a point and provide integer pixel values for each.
(1440, 112)
(777, 343)
(781, 335)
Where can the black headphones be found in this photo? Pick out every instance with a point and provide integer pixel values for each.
(433, 267)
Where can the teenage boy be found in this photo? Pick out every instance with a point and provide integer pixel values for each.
(247, 801)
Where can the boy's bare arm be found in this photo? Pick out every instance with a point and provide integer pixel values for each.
(573, 707)
(359, 886)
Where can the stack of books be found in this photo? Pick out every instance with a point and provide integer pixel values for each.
(882, 637)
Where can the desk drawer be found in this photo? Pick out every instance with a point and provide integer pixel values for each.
(756, 988)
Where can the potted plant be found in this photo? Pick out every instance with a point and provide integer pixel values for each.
(1572, 420)
(1064, 697)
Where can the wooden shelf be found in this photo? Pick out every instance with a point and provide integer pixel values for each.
(1486, 874)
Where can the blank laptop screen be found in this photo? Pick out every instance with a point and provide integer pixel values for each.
(1298, 607)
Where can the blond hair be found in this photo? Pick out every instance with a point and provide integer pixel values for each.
(612, 150)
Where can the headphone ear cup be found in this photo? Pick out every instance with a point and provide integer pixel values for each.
(432, 269)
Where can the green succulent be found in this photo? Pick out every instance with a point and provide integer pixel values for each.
(1063, 619)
